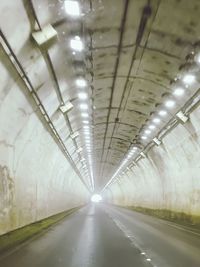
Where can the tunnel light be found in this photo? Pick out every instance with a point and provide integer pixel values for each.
(84, 115)
(152, 127)
(197, 58)
(86, 127)
(179, 92)
(72, 8)
(86, 122)
(81, 82)
(76, 44)
(189, 79)
(147, 132)
(144, 137)
(156, 120)
(162, 113)
(83, 106)
(82, 96)
(170, 103)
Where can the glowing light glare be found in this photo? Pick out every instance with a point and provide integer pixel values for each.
(144, 137)
(189, 79)
(152, 127)
(197, 58)
(156, 120)
(178, 92)
(170, 103)
(162, 112)
(72, 8)
(76, 44)
(84, 115)
(96, 198)
(81, 82)
(83, 106)
(82, 96)
(147, 132)
(86, 122)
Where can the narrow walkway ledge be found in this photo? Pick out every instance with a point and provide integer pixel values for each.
(14, 238)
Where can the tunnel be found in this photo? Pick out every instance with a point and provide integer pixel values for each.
(100, 133)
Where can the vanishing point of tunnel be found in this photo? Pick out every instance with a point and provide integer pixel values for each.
(99, 133)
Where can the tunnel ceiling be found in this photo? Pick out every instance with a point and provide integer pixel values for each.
(132, 51)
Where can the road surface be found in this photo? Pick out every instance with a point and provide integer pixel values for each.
(106, 236)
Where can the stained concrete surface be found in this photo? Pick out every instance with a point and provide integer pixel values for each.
(168, 178)
(107, 236)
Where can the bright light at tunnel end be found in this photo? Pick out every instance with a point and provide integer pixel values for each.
(96, 198)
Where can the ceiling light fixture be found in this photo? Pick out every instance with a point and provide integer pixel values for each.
(170, 103)
(156, 120)
(81, 82)
(189, 79)
(83, 106)
(76, 44)
(82, 96)
(84, 115)
(72, 8)
(162, 112)
(144, 137)
(147, 132)
(152, 127)
(178, 92)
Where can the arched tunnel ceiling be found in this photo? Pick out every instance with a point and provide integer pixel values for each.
(132, 50)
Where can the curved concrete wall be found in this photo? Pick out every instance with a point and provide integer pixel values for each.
(36, 180)
(168, 178)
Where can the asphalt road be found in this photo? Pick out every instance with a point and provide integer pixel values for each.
(106, 236)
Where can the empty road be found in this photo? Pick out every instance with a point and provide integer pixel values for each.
(105, 236)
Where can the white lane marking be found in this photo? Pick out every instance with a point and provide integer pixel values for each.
(129, 235)
(183, 229)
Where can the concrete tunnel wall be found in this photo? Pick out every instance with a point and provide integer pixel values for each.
(36, 180)
(168, 179)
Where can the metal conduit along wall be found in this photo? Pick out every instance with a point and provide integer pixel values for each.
(166, 182)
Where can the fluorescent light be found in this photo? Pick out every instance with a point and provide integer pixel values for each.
(170, 103)
(83, 106)
(81, 82)
(156, 120)
(152, 127)
(84, 115)
(197, 58)
(189, 79)
(72, 8)
(162, 112)
(86, 122)
(76, 44)
(178, 91)
(82, 96)
(147, 132)
(144, 137)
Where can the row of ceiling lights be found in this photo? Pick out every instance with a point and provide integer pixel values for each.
(182, 83)
(72, 8)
